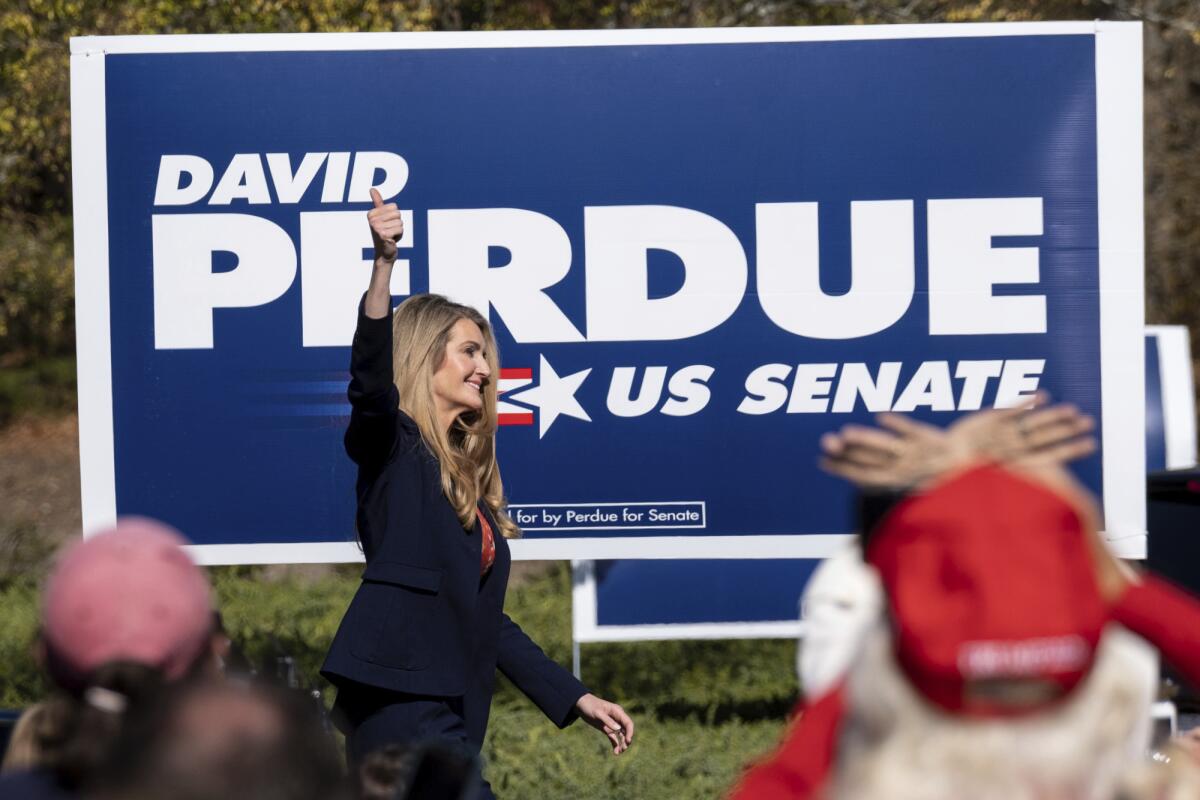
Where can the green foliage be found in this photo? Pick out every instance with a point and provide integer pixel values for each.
(526, 756)
(293, 616)
(37, 288)
(708, 679)
(20, 679)
(703, 710)
(45, 386)
(37, 315)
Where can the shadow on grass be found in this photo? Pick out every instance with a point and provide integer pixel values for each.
(721, 713)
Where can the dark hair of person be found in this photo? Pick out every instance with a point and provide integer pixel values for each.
(286, 755)
(428, 770)
(76, 732)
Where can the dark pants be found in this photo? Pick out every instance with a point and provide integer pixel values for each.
(373, 718)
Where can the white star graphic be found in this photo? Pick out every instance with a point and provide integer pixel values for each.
(553, 395)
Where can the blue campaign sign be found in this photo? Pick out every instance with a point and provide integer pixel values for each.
(632, 599)
(700, 249)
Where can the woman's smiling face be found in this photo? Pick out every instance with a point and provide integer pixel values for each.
(458, 383)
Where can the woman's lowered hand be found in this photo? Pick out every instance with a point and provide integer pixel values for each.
(608, 718)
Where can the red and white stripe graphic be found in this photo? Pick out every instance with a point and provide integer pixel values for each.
(511, 380)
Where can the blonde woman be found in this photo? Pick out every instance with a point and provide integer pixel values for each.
(416, 654)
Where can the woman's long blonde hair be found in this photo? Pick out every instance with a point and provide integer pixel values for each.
(894, 745)
(421, 327)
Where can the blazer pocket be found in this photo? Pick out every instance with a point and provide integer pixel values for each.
(397, 601)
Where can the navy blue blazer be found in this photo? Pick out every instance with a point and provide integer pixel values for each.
(422, 621)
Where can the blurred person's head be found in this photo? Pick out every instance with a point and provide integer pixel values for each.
(211, 740)
(75, 732)
(899, 745)
(123, 612)
(994, 674)
(429, 770)
(126, 594)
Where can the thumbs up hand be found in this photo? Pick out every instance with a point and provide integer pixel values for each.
(387, 227)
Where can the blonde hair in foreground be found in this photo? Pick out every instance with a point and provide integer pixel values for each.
(24, 745)
(466, 453)
(1090, 746)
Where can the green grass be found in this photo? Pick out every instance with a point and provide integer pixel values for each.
(527, 757)
(703, 709)
(20, 680)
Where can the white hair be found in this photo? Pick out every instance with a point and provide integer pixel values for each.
(896, 745)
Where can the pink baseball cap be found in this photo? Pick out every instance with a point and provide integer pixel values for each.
(127, 594)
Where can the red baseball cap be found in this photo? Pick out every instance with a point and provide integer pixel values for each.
(130, 594)
(992, 592)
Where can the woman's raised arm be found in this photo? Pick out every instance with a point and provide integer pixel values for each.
(373, 396)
